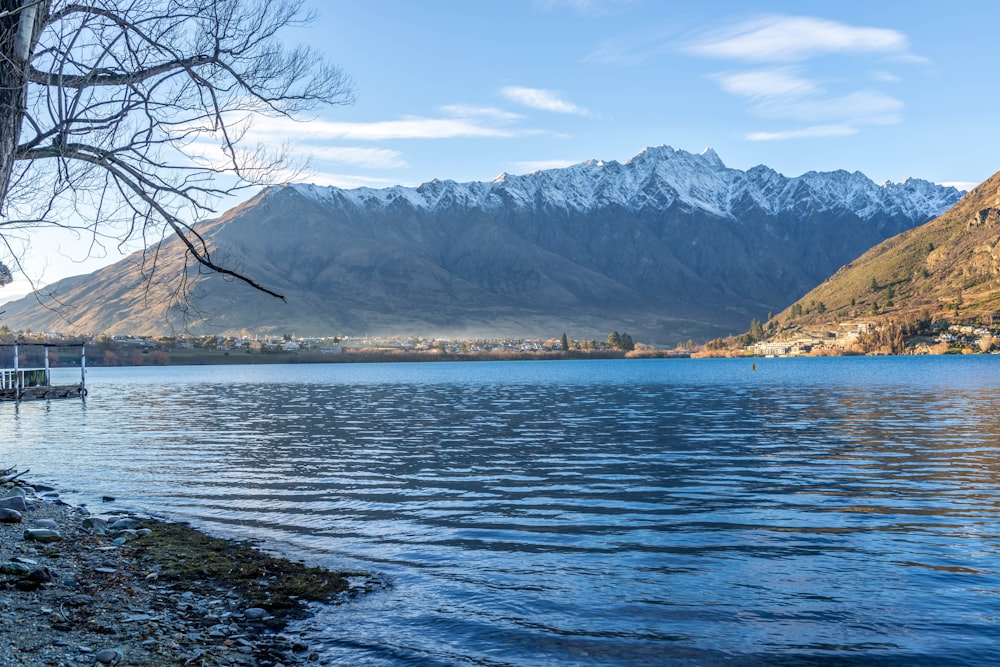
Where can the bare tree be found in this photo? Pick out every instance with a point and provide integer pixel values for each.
(127, 119)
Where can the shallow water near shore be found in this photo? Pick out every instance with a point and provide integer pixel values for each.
(813, 511)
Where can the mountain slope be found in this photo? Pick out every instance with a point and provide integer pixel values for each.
(668, 245)
(947, 270)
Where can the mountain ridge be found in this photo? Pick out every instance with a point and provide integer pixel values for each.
(695, 179)
(944, 272)
(668, 245)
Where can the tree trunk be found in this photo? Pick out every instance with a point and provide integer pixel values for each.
(14, 77)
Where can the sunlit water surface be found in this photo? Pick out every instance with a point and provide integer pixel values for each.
(827, 511)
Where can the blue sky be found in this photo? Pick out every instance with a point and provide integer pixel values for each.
(466, 90)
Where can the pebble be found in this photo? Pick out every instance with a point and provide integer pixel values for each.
(125, 524)
(95, 525)
(42, 535)
(14, 568)
(14, 503)
(62, 605)
(10, 516)
(109, 656)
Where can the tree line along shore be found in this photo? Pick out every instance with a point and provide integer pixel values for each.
(112, 351)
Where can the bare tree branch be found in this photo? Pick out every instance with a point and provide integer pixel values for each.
(128, 118)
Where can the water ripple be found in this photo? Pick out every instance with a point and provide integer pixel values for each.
(810, 512)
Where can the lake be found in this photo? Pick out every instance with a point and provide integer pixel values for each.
(639, 512)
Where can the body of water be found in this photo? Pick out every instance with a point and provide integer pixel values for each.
(658, 512)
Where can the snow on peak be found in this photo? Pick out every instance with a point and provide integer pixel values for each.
(711, 157)
(658, 178)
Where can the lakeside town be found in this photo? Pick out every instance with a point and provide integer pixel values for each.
(129, 350)
(854, 338)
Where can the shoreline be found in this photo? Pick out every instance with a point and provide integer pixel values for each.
(80, 589)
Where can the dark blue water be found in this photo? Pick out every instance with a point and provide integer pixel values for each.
(823, 511)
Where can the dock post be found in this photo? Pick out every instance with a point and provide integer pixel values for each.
(48, 374)
(17, 378)
(83, 368)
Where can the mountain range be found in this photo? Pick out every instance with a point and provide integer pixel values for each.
(668, 246)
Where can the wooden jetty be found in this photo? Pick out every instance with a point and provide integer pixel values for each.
(24, 384)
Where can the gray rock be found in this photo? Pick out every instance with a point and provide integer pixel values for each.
(42, 535)
(125, 524)
(95, 525)
(256, 614)
(14, 503)
(9, 516)
(46, 523)
(14, 568)
(109, 656)
(14, 491)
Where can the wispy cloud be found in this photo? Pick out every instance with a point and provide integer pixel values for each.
(545, 100)
(790, 89)
(794, 39)
(767, 84)
(804, 133)
(411, 127)
(367, 158)
(486, 113)
(859, 108)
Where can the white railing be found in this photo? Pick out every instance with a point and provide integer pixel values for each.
(19, 378)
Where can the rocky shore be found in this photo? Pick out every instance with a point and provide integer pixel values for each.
(79, 589)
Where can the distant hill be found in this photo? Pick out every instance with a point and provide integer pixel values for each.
(945, 271)
(667, 246)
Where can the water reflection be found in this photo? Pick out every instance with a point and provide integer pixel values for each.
(579, 513)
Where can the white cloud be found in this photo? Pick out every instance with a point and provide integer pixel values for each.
(815, 131)
(863, 107)
(368, 158)
(545, 100)
(796, 38)
(413, 127)
(468, 111)
(767, 83)
(885, 77)
(794, 93)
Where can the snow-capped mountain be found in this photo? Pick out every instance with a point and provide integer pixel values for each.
(669, 245)
(661, 177)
